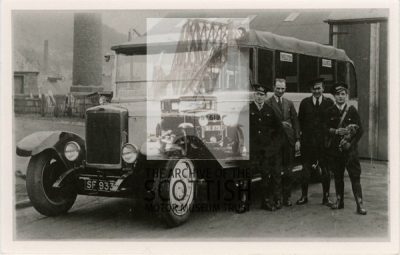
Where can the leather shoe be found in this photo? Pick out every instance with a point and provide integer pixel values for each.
(326, 201)
(242, 208)
(360, 208)
(302, 201)
(287, 203)
(361, 211)
(338, 205)
(278, 204)
(268, 206)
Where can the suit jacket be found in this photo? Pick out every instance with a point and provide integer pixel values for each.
(288, 118)
(266, 130)
(331, 121)
(311, 124)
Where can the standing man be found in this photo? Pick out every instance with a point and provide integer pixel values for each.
(287, 114)
(343, 127)
(312, 140)
(265, 137)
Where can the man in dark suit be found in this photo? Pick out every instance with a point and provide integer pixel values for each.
(265, 141)
(312, 140)
(343, 128)
(287, 114)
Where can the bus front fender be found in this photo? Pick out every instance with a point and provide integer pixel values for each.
(38, 142)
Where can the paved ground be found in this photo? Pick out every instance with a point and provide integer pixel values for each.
(110, 218)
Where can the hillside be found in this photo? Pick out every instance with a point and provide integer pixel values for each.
(31, 29)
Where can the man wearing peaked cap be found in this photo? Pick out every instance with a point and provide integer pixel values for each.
(343, 128)
(339, 87)
(265, 137)
(260, 89)
(315, 81)
(311, 112)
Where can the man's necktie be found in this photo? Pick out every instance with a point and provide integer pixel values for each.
(280, 104)
(317, 104)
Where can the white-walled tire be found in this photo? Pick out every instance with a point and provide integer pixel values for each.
(43, 170)
(174, 189)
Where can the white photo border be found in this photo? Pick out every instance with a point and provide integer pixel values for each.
(9, 245)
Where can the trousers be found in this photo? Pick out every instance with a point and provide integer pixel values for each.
(322, 170)
(338, 163)
(269, 168)
(285, 159)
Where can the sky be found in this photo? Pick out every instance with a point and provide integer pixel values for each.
(122, 21)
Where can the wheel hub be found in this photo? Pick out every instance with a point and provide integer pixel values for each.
(182, 187)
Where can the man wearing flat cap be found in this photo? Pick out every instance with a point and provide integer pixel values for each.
(265, 137)
(311, 112)
(343, 128)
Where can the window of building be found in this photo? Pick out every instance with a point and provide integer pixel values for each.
(18, 84)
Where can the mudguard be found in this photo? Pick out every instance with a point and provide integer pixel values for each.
(38, 142)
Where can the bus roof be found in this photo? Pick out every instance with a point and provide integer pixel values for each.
(294, 45)
(252, 38)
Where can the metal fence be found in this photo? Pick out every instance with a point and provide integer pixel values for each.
(54, 105)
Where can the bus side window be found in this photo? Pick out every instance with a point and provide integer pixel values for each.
(251, 65)
(342, 72)
(265, 62)
(286, 67)
(352, 81)
(308, 70)
(327, 71)
(243, 72)
(346, 74)
(235, 70)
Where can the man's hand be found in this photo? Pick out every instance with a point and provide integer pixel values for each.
(297, 146)
(341, 131)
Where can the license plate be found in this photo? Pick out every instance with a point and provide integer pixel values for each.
(98, 185)
(213, 128)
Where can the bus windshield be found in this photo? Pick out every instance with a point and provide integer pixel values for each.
(166, 73)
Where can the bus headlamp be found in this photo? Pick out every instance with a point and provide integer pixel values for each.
(129, 153)
(71, 151)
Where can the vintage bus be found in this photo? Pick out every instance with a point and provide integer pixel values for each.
(178, 112)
